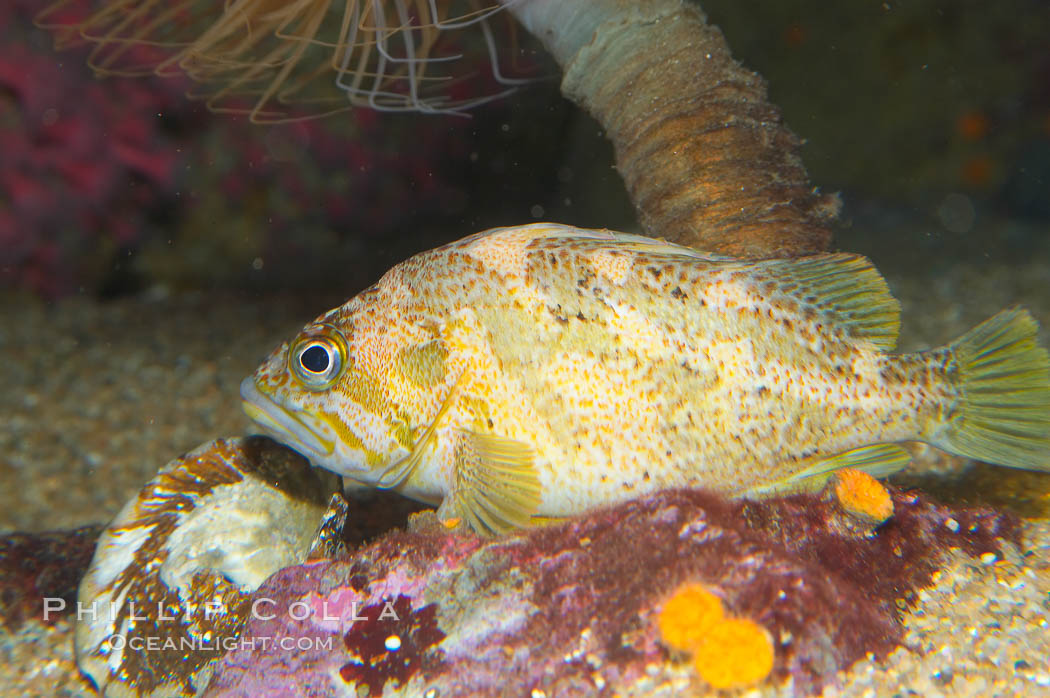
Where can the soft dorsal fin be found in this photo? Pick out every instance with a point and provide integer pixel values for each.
(846, 286)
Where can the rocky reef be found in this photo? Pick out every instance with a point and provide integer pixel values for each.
(573, 608)
(627, 599)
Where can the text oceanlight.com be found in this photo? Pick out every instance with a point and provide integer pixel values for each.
(224, 644)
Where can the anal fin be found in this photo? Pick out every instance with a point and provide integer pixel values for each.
(877, 460)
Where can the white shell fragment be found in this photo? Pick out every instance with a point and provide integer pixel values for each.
(168, 589)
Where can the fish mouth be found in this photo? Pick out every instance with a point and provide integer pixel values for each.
(285, 425)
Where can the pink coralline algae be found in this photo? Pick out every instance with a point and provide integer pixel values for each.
(571, 609)
(81, 162)
(94, 171)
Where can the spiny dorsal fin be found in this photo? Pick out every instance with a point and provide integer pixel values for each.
(658, 246)
(639, 244)
(877, 460)
(497, 488)
(849, 288)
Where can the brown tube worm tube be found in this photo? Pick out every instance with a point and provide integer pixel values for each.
(703, 152)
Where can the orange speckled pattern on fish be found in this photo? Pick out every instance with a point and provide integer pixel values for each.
(543, 370)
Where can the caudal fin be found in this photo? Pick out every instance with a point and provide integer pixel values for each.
(1003, 414)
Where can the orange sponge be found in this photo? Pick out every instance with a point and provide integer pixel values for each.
(862, 496)
(735, 652)
(688, 615)
(727, 652)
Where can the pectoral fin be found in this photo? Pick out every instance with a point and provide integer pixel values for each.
(496, 488)
(878, 460)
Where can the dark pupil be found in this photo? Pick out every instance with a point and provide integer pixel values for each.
(314, 359)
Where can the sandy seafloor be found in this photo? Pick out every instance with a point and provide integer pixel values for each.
(97, 395)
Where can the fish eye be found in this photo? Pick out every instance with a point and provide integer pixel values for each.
(317, 360)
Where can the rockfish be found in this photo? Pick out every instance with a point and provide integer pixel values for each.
(543, 370)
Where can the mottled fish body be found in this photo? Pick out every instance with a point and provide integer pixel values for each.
(544, 370)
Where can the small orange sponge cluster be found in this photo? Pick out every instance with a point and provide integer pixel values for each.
(862, 496)
(727, 651)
